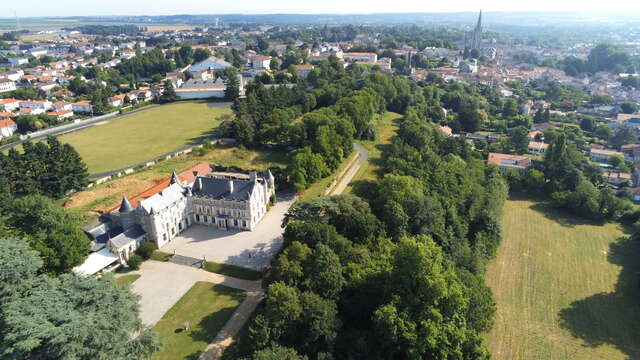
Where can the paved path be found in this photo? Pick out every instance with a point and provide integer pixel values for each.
(162, 284)
(352, 171)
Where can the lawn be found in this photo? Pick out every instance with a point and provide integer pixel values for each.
(143, 135)
(206, 307)
(126, 280)
(386, 128)
(565, 288)
(233, 271)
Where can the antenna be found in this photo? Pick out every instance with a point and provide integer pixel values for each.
(18, 27)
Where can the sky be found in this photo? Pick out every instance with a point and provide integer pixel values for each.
(39, 8)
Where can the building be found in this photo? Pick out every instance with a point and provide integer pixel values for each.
(211, 63)
(202, 89)
(361, 56)
(304, 70)
(7, 85)
(617, 178)
(17, 61)
(261, 62)
(603, 155)
(82, 107)
(631, 152)
(476, 36)
(8, 105)
(7, 128)
(36, 104)
(61, 114)
(505, 162)
(117, 100)
(62, 105)
(536, 147)
(226, 201)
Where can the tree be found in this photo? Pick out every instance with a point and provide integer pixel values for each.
(588, 123)
(628, 107)
(50, 231)
(169, 93)
(277, 352)
(425, 319)
(520, 140)
(232, 90)
(510, 108)
(622, 136)
(201, 54)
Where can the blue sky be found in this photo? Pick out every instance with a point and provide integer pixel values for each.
(31, 8)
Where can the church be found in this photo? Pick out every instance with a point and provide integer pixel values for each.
(229, 201)
(476, 36)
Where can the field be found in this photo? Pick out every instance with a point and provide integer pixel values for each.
(140, 136)
(126, 280)
(206, 307)
(565, 288)
(369, 172)
(105, 196)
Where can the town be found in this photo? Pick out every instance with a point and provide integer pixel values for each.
(291, 187)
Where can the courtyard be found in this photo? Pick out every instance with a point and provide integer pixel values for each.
(249, 249)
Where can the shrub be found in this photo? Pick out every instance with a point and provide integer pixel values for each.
(146, 249)
(135, 261)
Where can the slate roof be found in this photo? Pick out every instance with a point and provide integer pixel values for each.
(127, 237)
(163, 199)
(125, 205)
(218, 188)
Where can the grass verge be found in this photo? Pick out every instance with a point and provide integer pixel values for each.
(233, 271)
(126, 280)
(206, 307)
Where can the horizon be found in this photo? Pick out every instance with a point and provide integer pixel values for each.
(77, 8)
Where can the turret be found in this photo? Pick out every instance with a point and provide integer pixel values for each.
(127, 215)
(174, 179)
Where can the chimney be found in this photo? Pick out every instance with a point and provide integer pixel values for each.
(230, 185)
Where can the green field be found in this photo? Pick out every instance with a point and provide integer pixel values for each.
(206, 307)
(565, 288)
(141, 136)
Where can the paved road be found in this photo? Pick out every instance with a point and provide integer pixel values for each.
(352, 171)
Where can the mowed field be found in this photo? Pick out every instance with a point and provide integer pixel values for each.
(141, 136)
(565, 288)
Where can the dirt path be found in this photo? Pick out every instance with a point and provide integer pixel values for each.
(351, 172)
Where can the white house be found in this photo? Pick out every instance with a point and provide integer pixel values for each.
(211, 63)
(82, 107)
(261, 62)
(17, 61)
(14, 75)
(62, 105)
(8, 105)
(117, 100)
(360, 56)
(7, 85)
(36, 104)
(60, 114)
(7, 128)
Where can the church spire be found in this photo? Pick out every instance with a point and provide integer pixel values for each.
(479, 25)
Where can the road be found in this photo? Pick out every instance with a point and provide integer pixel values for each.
(352, 171)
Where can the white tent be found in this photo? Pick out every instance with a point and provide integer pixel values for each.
(96, 262)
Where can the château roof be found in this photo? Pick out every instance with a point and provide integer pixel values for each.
(218, 188)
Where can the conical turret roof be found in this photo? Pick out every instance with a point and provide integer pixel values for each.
(125, 205)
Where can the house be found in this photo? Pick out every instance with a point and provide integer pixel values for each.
(617, 178)
(304, 70)
(360, 56)
(117, 100)
(142, 94)
(261, 62)
(7, 85)
(36, 104)
(60, 114)
(14, 75)
(9, 105)
(536, 147)
(505, 162)
(62, 105)
(82, 107)
(47, 86)
(631, 152)
(447, 131)
(7, 128)
(31, 111)
(603, 155)
(488, 137)
(535, 133)
(17, 61)
(211, 63)
(383, 65)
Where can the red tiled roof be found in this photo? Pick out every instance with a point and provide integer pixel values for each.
(7, 123)
(188, 176)
(8, 101)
